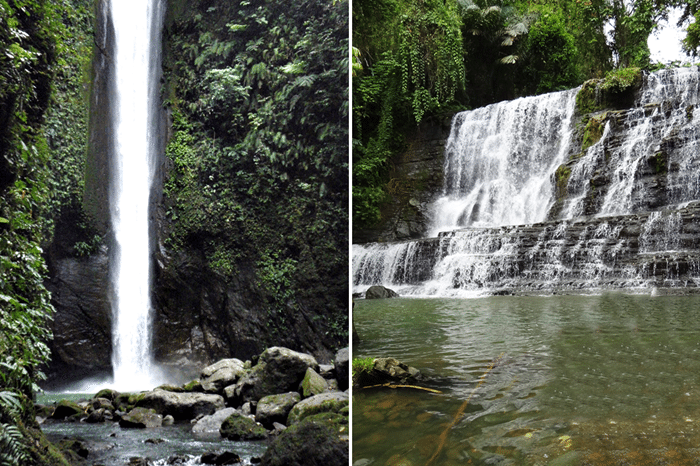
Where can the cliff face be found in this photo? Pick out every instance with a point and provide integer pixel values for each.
(249, 211)
(615, 204)
(416, 179)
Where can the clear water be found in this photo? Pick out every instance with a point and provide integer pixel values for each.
(559, 380)
(115, 446)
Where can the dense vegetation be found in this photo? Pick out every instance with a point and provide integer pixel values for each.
(415, 60)
(258, 94)
(39, 43)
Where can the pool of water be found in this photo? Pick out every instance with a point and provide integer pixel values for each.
(114, 446)
(561, 380)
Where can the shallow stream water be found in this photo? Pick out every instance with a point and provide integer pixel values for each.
(561, 380)
(114, 446)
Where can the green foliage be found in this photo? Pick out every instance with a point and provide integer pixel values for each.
(552, 55)
(430, 55)
(259, 100)
(615, 90)
(622, 80)
(361, 366)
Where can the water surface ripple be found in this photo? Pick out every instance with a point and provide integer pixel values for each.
(610, 379)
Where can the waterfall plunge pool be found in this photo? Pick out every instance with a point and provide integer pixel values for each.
(597, 380)
(111, 445)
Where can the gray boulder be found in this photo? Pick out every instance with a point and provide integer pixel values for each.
(181, 406)
(334, 402)
(226, 372)
(275, 408)
(141, 418)
(279, 370)
(313, 384)
(342, 368)
(210, 425)
(380, 292)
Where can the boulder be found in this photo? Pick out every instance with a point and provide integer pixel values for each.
(66, 408)
(380, 292)
(308, 443)
(211, 424)
(221, 458)
(275, 408)
(313, 384)
(181, 406)
(389, 370)
(342, 368)
(240, 427)
(279, 370)
(226, 372)
(98, 415)
(102, 403)
(324, 403)
(141, 418)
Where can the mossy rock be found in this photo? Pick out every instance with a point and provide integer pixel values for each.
(66, 409)
(194, 386)
(108, 393)
(312, 442)
(324, 403)
(659, 162)
(240, 427)
(562, 176)
(593, 131)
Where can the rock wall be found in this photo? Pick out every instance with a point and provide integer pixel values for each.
(415, 178)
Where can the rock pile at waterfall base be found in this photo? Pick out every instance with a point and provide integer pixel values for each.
(240, 400)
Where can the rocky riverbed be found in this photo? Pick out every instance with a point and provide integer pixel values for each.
(285, 399)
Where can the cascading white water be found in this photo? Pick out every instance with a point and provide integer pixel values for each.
(500, 167)
(499, 161)
(137, 34)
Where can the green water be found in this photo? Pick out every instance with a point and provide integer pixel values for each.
(560, 380)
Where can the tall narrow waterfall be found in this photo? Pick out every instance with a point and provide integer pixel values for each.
(137, 25)
(527, 207)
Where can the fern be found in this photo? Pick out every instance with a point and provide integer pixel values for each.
(12, 449)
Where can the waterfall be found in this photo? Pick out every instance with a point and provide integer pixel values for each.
(137, 25)
(629, 216)
(499, 160)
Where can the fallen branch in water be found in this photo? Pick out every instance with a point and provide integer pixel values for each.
(460, 411)
(388, 385)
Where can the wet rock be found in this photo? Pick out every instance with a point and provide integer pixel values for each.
(139, 461)
(380, 292)
(275, 408)
(279, 370)
(221, 458)
(240, 427)
(342, 368)
(98, 415)
(76, 446)
(181, 406)
(154, 441)
(307, 443)
(313, 384)
(323, 403)
(141, 418)
(65, 409)
(226, 372)
(211, 424)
